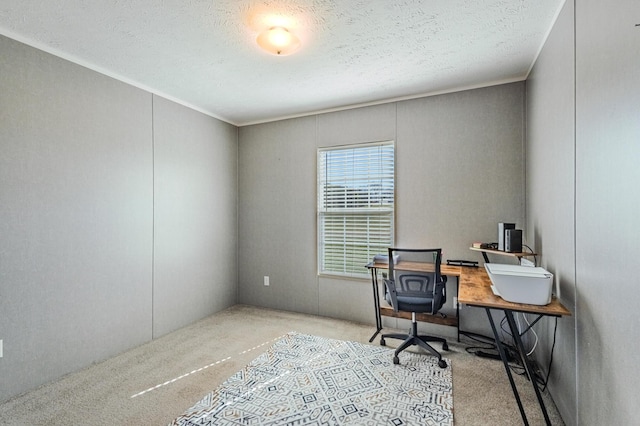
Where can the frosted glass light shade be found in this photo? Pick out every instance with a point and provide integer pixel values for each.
(279, 41)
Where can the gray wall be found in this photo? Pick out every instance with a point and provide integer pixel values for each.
(583, 204)
(195, 216)
(454, 183)
(551, 198)
(276, 229)
(78, 278)
(607, 210)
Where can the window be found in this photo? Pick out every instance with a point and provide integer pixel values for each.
(355, 206)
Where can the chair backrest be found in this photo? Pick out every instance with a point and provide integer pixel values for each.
(415, 283)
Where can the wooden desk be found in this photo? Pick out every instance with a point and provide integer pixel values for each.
(475, 290)
(385, 310)
(486, 251)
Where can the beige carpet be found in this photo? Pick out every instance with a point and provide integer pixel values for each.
(156, 382)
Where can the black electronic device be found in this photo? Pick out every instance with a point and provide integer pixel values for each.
(502, 227)
(513, 240)
(460, 262)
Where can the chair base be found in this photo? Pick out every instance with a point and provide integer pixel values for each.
(414, 339)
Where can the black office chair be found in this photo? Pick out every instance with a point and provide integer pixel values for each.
(415, 285)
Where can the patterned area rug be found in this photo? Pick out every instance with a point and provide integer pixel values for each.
(310, 380)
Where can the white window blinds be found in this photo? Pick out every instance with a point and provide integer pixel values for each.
(355, 206)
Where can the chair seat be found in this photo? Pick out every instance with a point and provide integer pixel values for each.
(413, 304)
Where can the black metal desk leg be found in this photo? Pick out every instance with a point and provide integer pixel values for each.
(376, 302)
(526, 363)
(505, 361)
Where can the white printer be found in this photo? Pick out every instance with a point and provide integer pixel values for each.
(521, 284)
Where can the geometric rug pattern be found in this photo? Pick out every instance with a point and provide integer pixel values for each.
(310, 380)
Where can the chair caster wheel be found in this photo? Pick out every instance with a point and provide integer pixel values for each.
(442, 363)
(445, 347)
(396, 360)
(382, 342)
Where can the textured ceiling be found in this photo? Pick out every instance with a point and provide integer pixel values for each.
(204, 55)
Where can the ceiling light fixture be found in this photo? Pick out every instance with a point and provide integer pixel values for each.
(279, 41)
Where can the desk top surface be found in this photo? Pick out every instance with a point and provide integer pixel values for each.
(474, 289)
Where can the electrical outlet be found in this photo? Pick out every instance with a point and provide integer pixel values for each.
(266, 280)
(455, 302)
(1, 348)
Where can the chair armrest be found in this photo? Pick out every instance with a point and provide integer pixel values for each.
(439, 294)
(391, 289)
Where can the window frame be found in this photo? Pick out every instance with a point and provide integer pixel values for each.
(378, 215)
